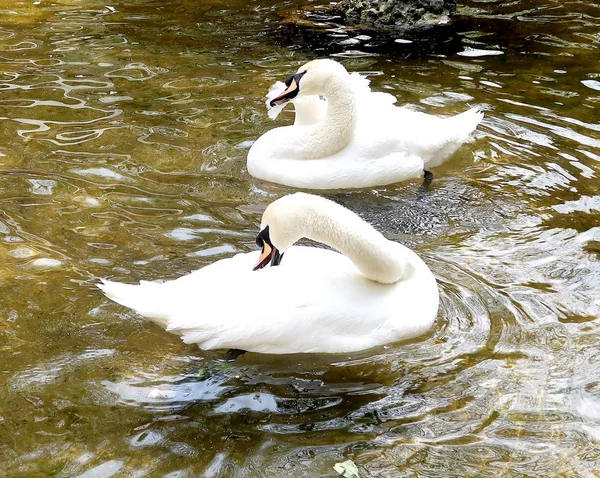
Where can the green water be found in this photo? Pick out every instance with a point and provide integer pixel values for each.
(124, 129)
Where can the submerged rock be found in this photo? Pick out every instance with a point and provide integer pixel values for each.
(325, 30)
(355, 28)
(397, 15)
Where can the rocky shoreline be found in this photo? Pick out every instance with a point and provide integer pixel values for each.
(409, 28)
(397, 16)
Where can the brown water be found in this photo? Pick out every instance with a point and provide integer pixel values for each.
(123, 136)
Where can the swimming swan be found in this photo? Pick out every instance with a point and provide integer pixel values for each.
(362, 140)
(316, 300)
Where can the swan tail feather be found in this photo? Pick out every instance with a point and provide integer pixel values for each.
(146, 299)
(463, 124)
(457, 130)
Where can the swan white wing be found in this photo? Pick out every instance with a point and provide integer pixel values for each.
(369, 100)
(301, 305)
(427, 136)
(432, 137)
(315, 301)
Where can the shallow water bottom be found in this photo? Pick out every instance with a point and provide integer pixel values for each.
(124, 128)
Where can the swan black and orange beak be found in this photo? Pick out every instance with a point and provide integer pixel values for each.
(269, 252)
(292, 90)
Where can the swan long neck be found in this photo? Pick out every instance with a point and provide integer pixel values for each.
(308, 110)
(375, 256)
(336, 130)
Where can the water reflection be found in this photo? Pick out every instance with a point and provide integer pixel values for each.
(125, 127)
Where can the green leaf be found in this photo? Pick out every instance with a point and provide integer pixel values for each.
(347, 469)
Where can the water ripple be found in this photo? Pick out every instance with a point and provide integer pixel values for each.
(124, 134)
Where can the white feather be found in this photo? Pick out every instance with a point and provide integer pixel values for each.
(316, 300)
(274, 91)
(357, 138)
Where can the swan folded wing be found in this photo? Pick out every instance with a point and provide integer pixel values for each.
(299, 328)
(261, 321)
(367, 99)
(318, 303)
(447, 135)
(146, 298)
(360, 84)
(443, 130)
(383, 99)
(431, 137)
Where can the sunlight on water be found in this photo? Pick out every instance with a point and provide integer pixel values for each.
(124, 128)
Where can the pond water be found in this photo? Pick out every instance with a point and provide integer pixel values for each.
(123, 136)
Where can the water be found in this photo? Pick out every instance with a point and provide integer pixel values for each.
(125, 127)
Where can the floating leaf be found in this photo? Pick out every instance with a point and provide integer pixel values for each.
(347, 469)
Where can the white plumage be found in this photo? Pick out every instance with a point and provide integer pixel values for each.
(316, 300)
(356, 138)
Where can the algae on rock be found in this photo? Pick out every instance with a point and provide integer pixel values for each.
(397, 15)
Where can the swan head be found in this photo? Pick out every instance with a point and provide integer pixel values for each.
(281, 226)
(269, 253)
(292, 217)
(313, 78)
(308, 109)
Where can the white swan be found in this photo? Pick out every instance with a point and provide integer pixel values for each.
(317, 300)
(362, 140)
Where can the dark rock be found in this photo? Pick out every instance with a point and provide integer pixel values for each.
(407, 28)
(397, 15)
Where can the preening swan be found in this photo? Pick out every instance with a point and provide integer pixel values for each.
(358, 138)
(372, 292)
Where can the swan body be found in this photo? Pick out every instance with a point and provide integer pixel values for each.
(357, 138)
(316, 300)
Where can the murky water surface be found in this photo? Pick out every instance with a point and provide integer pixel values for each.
(123, 136)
